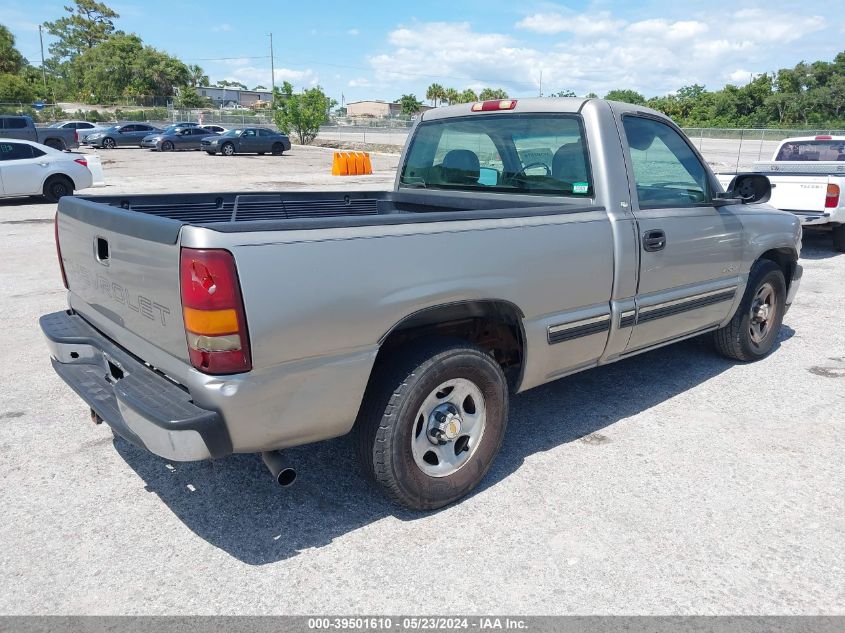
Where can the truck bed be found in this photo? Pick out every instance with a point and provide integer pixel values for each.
(278, 211)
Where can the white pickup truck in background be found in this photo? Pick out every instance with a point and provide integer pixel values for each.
(808, 179)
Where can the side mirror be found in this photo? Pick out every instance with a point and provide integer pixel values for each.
(749, 189)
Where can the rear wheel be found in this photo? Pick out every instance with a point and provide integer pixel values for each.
(228, 149)
(432, 422)
(839, 238)
(108, 143)
(57, 187)
(278, 149)
(167, 146)
(55, 143)
(754, 328)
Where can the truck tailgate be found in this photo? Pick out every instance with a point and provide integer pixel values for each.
(122, 268)
(798, 192)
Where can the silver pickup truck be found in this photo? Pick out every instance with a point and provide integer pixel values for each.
(523, 241)
(23, 128)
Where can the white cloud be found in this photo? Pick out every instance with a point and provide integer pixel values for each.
(222, 28)
(740, 76)
(252, 76)
(579, 24)
(593, 51)
(360, 82)
(353, 32)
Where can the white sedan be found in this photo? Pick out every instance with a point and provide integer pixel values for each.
(31, 169)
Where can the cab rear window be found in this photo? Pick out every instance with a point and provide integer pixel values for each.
(827, 150)
(543, 154)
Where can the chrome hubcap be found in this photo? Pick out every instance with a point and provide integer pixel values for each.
(448, 427)
(763, 312)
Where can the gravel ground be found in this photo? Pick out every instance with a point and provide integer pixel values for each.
(672, 483)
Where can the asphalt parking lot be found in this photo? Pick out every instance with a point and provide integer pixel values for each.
(676, 482)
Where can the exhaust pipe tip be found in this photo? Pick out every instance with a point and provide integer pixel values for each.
(281, 472)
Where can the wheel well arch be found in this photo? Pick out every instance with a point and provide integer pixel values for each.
(785, 258)
(58, 175)
(494, 325)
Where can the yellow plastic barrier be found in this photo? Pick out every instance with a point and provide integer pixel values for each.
(351, 164)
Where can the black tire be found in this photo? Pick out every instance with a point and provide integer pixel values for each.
(108, 143)
(167, 146)
(278, 149)
(736, 339)
(391, 418)
(57, 187)
(211, 153)
(55, 143)
(228, 149)
(839, 238)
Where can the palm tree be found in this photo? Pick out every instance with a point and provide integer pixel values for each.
(451, 96)
(197, 76)
(489, 94)
(468, 96)
(435, 93)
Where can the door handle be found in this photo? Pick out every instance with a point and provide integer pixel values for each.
(654, 240)
(43, 164)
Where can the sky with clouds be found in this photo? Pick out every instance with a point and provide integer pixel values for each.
(382, 50)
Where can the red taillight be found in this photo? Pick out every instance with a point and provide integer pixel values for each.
(824, 137)
(831, 200)
(81, 161)
(59, 248)
(76, 135)
(213, 312)
(489, 106)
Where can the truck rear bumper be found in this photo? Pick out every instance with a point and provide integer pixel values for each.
(139, 404)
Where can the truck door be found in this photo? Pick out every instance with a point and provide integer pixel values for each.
(690, 249)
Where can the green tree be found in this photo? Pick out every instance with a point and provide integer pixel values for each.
(89, 23)
(188, 97)
(260, 87)
(410, 104)
(467, 96)
(451, 96)
(435, 93)
(301, 114)
(11, 61)
(121, 67)
(626, 96)
(491, 94)
(197, 76)
(15, 89)
(564, 93)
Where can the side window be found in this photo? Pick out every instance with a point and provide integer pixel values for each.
(265, 133)
(15, 123)
(249, 133)
(15, 151)
(666, 170)
(36, 152)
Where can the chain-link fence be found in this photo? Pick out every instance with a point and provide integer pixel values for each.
(738, 149)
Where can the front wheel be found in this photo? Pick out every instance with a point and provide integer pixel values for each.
(167, 146)
(228, 150)
(108, 143)
(432, 422)
(754, 328)
(278, 149)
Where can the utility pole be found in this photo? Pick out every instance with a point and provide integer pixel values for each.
(43, 70)
(541, 83)
(272, 66)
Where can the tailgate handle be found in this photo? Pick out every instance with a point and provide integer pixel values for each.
(101, 250)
